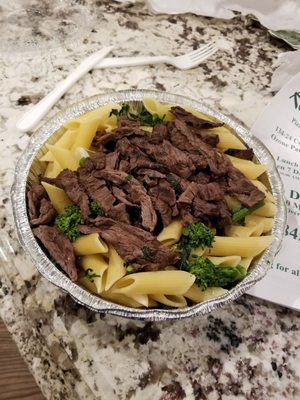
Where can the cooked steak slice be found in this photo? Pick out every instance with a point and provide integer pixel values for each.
(165, 153)
(40, 209)
(187, 197)
(191, 120)
(242, 189)
(137, 194)
(119, 133)
(59, 247)
(164, 199)
(111, 160)
(152, 173)
(244, 154)
(215, 214)
(212, 139)
(69, 182)
(121, 196)
(47, 213)
(186, 216)
(119, 213)
(135, 245)
(159, 133)
(211, 192)
(124, 121)
(124, 166)
(183, 138)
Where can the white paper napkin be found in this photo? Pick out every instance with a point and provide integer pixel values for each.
(273, 14)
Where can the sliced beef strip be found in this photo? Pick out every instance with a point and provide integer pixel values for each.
(212, 213)
(47, 213)
(170, 156)
(200, 177)
(111, 160)
(119, 213)
(186, 215)
(212, 139)
(182, 137)
(129, 241)
(191, 120)
(211, 192)
(152, 173)
(164, 199)
(159, 133)
(137, 194)
(187, 197)
(121, 196)
(242, 189)
(124, 166)
(40, 209)
(96, 188)
(119, 133)
(124, 121)
(59, 247)
(244, 154)
(69, 182)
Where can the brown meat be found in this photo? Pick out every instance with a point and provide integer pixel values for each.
(191, 120)
(59, 247)
(164, 199)
(40, 209)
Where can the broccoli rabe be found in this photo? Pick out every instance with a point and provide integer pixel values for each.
(143, 115)
(96, 210)
(209, 275)
(194, 235)
(68, 221)
(239, 213)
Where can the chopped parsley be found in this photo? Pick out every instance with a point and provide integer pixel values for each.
(82, 161)
(67, 222)
(96, 210)
(90, 275)
(143, 116)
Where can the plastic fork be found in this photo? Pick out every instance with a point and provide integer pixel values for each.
(186, 61)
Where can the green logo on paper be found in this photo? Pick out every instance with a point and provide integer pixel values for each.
(296, 97)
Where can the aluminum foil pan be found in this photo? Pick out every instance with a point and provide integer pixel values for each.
(28, 169)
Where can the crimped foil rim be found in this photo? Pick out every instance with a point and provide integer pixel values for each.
(80, 295)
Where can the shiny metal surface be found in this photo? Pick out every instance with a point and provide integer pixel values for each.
(28, 169)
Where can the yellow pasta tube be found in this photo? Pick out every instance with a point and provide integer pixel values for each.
(244, 247)
(228, 261)
(156, 282)
(245, 231)
(198, 114)
(155, 107)
(227, 140)
(86, 133)
(52, 170)
(231, 202)
(170, 300)
(57, 196)
(171, 233)
(94, 264)
(121, 299)
(252, 220)
(116, 269)
(89, 244)
(65, 142)
(246, 262)
(64, 157)
(141, 298)
(267, 210)
(248, 168)
(198, 295)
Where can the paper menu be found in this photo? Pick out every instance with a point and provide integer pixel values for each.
(278, 127)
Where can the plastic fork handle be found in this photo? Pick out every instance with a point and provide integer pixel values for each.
(131, 61)
(37, 112)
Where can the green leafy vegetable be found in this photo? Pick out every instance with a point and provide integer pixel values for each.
(96, 210)
(82, 161)
(67, 221)
(146, 252)
(239, 213)
(143, 115)
(90, 275)
(130, 268)
(175, 184)
(208, 274)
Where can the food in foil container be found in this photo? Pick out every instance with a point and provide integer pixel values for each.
(151, 205)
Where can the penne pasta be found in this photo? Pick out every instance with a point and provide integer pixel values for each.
(227, 140)
(170, 300)
(262, 187)
(267, 223)
(171, 233)
(116, 269)
(268, 210)
(121, 299)
(248, 168)
(198, 295)
(57, 196)
(64, 157)
(52, 170)
(95, 267)
(89, 244)
(86, 133)
(241, 246)
(154, 107)
(245, 231)
(157, 282)
(246, 262)
(226, 261)
(231, 202)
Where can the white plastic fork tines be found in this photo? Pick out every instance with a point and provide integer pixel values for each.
(186, 61)
(30, 119)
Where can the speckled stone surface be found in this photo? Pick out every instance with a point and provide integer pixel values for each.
(248, 350)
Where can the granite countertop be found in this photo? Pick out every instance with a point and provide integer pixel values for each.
(247, 350)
